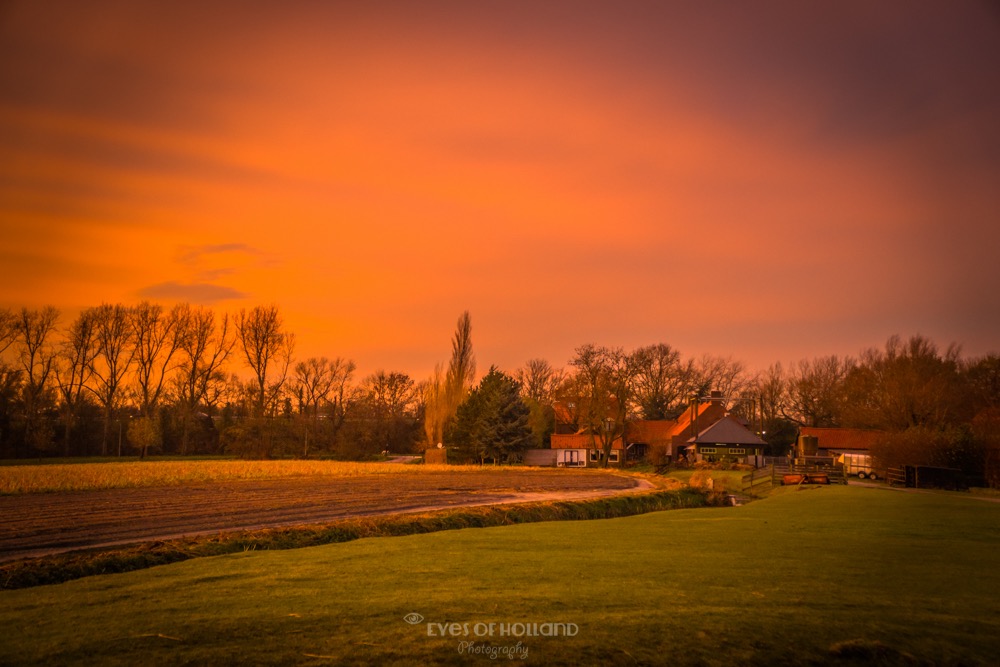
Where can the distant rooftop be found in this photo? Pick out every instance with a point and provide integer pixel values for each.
(841, 438)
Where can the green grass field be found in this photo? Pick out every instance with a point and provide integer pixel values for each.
(804, 577)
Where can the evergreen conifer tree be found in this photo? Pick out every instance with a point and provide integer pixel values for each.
(493, 423)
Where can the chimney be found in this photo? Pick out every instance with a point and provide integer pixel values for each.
(716, 397)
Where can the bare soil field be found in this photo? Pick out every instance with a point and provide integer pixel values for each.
(40, 524)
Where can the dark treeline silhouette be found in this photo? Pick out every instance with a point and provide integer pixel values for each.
(146, 379)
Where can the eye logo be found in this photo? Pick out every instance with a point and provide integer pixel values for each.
(413, 619)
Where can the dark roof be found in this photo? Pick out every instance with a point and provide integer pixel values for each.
(841, 438)
(727, 431)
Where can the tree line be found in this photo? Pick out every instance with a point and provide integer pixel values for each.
(931, 406)
(187, 380)
(145, 379)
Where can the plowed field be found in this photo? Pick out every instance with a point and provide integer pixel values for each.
(39, 524)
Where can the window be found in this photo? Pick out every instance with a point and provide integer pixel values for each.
(613, 458)
(738, 450)
(707, 450)
(595, 455)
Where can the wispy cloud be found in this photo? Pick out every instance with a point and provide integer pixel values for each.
(203, 266)
(207, 263)
(198, 293)
(192, 255)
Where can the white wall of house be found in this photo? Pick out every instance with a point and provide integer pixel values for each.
(571, 458)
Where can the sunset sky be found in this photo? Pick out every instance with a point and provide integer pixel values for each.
(767, 180)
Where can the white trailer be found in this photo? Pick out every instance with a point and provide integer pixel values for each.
(857, 463)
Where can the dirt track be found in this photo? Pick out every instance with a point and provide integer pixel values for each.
(39, 524)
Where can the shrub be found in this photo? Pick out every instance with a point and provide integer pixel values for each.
(922, 446)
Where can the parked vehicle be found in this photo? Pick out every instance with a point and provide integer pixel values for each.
(860, 465)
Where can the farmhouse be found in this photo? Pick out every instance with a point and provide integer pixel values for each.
(727, 441)
(664, 441)
(704, 424)
(578, 450)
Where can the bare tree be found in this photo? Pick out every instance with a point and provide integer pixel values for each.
(770, 398)
(540, 385)
(158, 336)
(662, 381)
(267, 350)
(982, 374)
(342, 398)
(314, 380)
(816, 391)
(770, 392)
(37, 356)
(909, 384)
(8, 329)
(391, 399)
(391, 393)
(74, 368)
(10, 375)
(604, 378)
(539, 381)
(723, 374)
(115, 352)
(204, 344)
(319, 383)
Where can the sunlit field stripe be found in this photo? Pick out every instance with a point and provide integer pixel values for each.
(132, 474)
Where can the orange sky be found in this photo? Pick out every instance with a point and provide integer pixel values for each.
(773, 183)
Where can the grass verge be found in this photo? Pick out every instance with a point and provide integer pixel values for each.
(727, 481)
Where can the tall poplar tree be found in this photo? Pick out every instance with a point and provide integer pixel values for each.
(462, 368)
(445, 392)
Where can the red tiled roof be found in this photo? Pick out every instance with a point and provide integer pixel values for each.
(564, 414)
(708, 412)
(568, 412)
(650, 431)
(841, 438)
(579, 441)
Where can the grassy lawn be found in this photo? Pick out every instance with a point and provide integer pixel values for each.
(780, 581)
